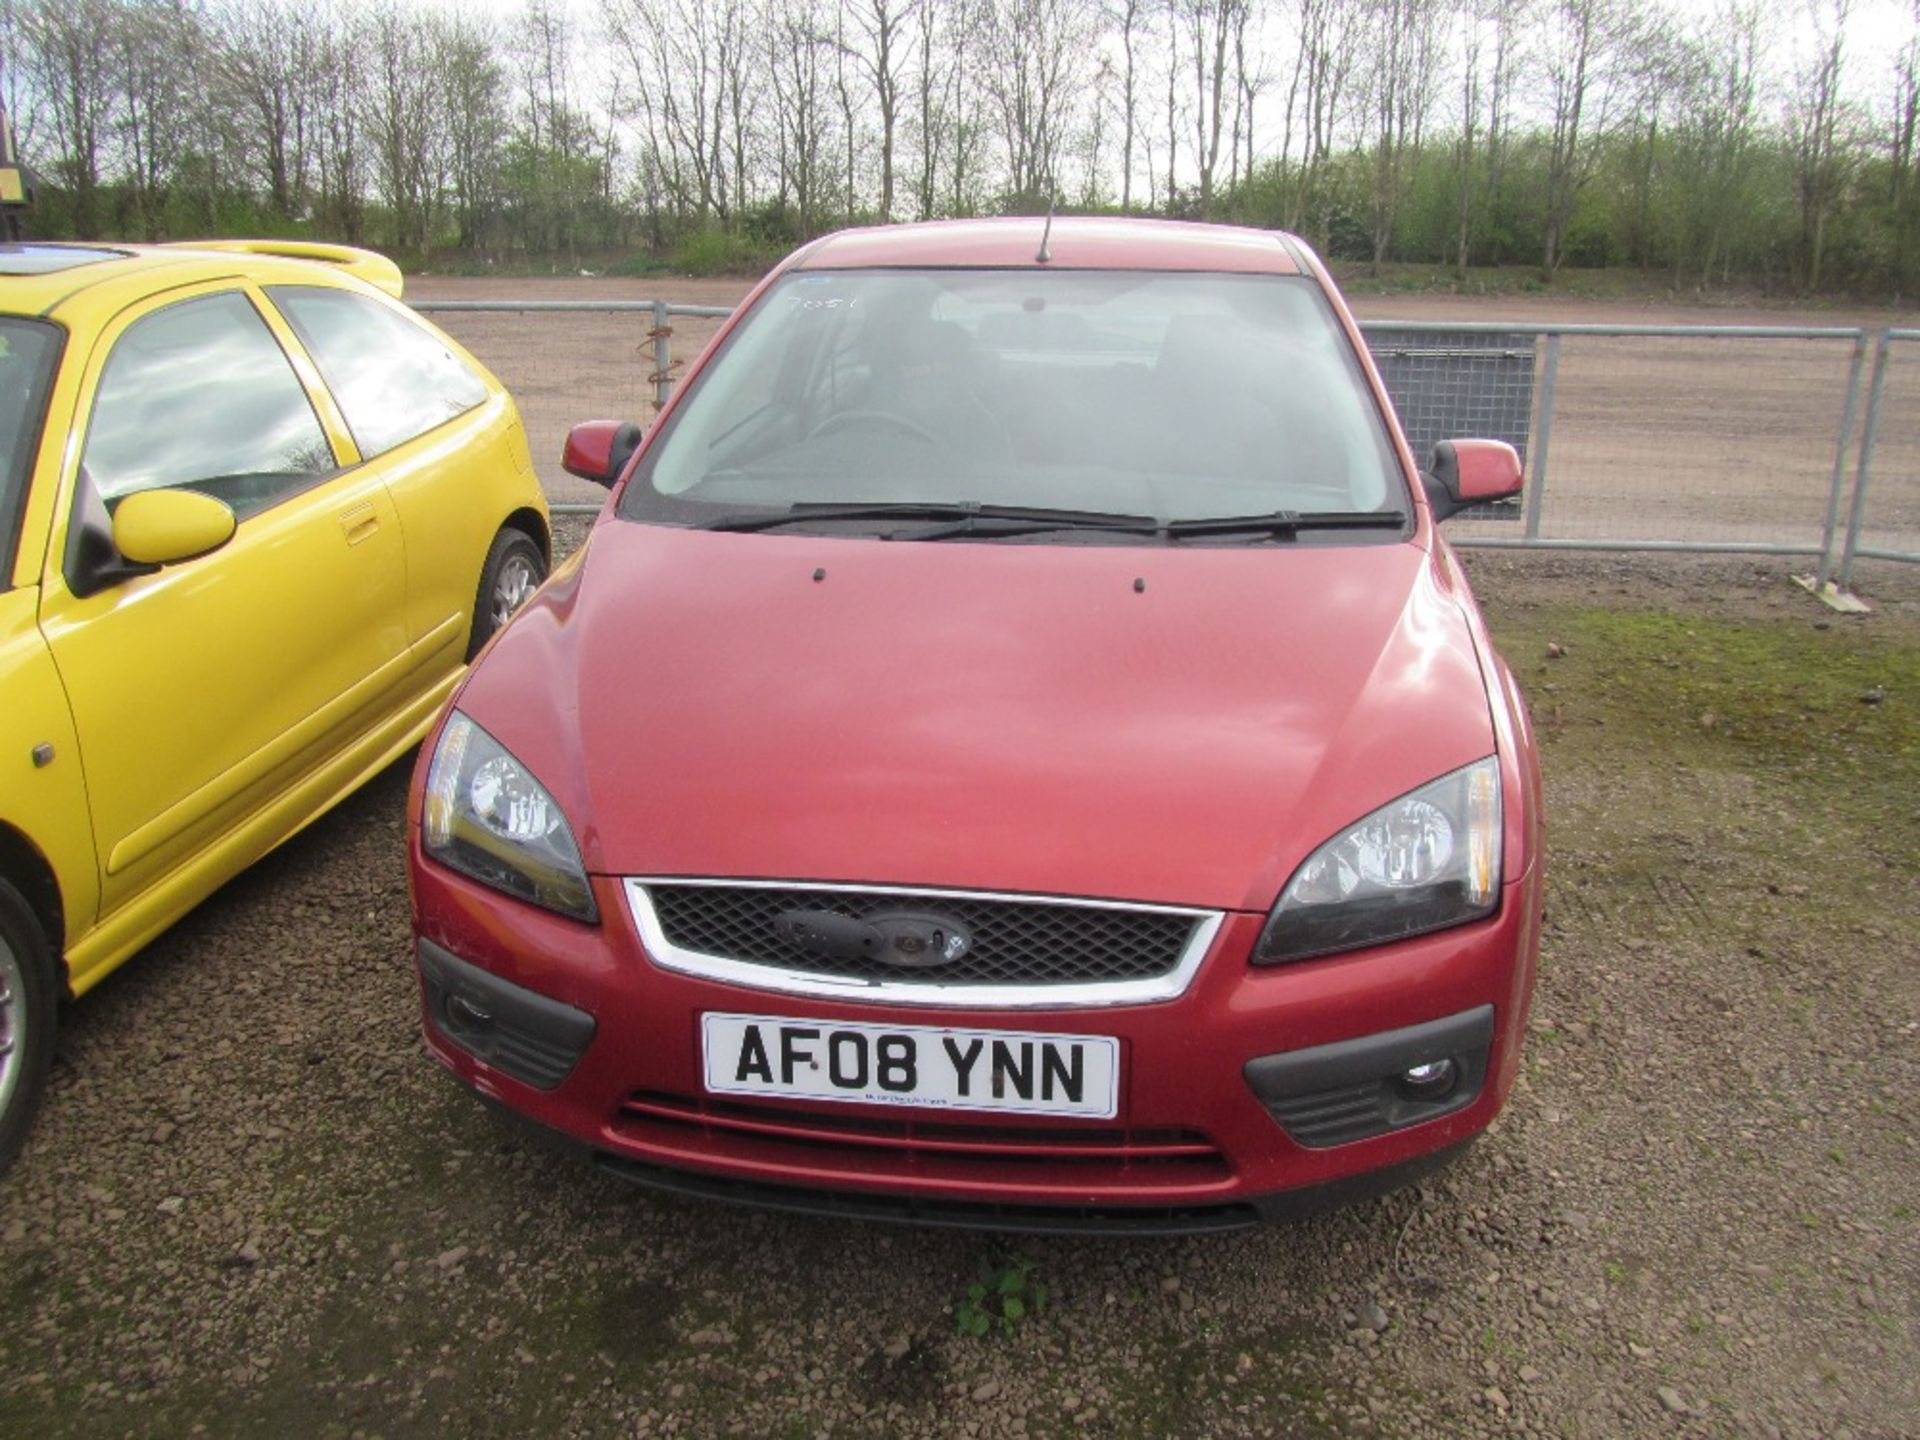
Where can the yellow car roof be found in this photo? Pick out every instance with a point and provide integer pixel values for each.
(40, 278)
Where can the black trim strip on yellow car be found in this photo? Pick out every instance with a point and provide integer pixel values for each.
(15, 515)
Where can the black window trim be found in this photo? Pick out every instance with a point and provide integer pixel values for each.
(13, 522)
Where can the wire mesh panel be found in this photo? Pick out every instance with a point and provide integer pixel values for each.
(1446, 384)
(1707, 438)
(565, 366)
(1890, 508)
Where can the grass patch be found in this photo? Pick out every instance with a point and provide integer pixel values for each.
(1697, 759)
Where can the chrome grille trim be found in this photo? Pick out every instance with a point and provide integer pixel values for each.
(753, 975)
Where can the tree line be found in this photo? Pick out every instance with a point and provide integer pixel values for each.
(1755, 140)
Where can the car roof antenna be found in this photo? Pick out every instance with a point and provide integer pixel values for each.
(1045, 255)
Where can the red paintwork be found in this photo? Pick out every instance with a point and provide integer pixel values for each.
(1073, 244)
(589, 450)
(1485, 470)
(997, 717)
(1180, 1062)
(1001, 717)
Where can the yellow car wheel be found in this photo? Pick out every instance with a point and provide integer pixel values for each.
(27, 1011)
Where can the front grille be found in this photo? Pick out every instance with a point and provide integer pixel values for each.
(920, 1148)
(1015, 942)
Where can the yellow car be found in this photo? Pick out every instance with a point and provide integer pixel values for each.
(255, 518)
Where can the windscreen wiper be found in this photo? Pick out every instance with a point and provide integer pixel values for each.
(991, 524)
(966, 514)
(1287, 522)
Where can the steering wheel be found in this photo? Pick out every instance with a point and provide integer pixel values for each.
(885, 419)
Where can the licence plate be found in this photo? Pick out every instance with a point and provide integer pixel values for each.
(934, 1067)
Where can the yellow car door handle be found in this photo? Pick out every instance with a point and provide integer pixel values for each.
(359, 523)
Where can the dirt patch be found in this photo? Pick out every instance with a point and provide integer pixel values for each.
(253, 1204)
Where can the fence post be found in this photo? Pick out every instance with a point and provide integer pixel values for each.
(1543, 436)
(662, 356)
(1848, 411)
(1863, 472)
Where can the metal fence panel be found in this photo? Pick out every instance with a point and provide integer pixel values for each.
(1450, 383)
(1703, 439)
(1672, 437)
(1884, 517)
(568, 361)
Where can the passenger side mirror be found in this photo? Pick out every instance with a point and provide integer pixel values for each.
(164, 527)
(1470, 472)
(598, 450)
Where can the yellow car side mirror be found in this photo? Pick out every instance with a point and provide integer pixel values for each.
(164, 527)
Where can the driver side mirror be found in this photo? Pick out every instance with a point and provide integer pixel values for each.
(598, 450)
(1471, 472)
(164, 527)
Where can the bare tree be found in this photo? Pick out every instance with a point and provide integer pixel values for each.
(1128, 16)
(339, 95)
(678, 53)
(1249, 79)
(403, 118)
(1714, 127)
(270, 66)
(1817, 120)
(843, 89)
(1488, 45)
(1584, 50)
(968, 46)
(19, 99)
(1037, 64)
(73, 43)
(1331, 35)
(148, 44)
(1901, 139)
(474, 105)
(1660, 71)
(881, 52)
(1210, 27)
(795, 40)
(1175, 92)
(1405, 37)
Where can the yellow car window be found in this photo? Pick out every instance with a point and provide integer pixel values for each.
(393, 377)
(201, 396)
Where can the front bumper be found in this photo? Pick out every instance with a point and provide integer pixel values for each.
(1211, 1133)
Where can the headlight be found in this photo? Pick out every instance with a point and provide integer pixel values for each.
(486, 816)
(1426, 861)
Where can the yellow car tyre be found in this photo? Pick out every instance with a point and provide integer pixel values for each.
(514, 569)
(28, 1005)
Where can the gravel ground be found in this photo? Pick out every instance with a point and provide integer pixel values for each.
(253, 1204)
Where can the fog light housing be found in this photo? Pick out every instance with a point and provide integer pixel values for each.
(1432, 1081)
(1350, 1090)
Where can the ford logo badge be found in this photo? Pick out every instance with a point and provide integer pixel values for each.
(909, 939)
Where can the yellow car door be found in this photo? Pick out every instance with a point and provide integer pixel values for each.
(443, 438)
(202, 690)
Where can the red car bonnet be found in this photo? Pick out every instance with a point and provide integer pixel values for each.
(993, 716)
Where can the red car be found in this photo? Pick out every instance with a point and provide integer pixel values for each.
(1014, 751)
